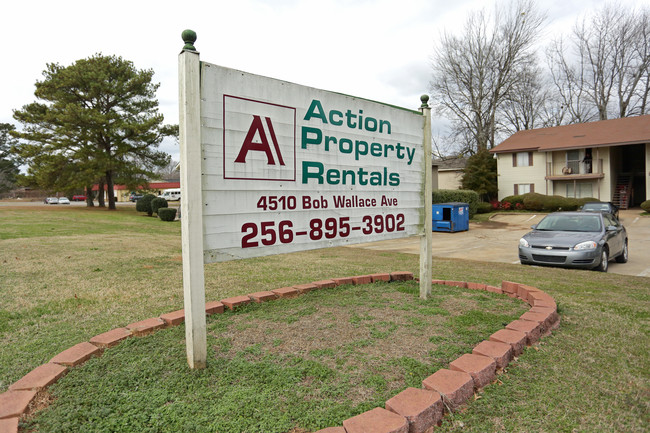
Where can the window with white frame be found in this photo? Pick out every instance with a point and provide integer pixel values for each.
(522, 159)
(573, 159)
(524, 188)
(581, 190)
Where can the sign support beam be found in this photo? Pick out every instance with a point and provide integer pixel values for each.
(192, 202)
(426, 241)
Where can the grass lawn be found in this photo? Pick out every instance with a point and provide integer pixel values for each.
(67, 274)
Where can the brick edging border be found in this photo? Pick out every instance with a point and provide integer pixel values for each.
(411, 411)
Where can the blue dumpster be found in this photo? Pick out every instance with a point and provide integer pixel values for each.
(450, 217)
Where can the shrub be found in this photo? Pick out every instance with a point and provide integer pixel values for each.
(483, 207)
(167, 213)
(457, 195)
(514, 199)
(646, 206)
(144, 204)
(158, 203)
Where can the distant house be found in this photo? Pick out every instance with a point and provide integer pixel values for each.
(448, 172)
(608, 160)
(156, 188)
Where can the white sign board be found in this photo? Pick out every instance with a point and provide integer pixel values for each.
(288, 168)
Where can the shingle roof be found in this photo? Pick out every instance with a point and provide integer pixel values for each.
(615, 132)
(450, 163)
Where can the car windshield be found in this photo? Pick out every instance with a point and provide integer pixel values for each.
(596, 207)
(570, 223)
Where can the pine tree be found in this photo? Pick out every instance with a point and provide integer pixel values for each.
(96, 120)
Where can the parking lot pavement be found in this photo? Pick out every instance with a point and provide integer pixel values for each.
(497, 239)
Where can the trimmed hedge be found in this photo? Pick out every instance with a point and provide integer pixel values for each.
(167, 213)
(144, 204)
(484, 207)
(458, 195)
(646, 206)
(158, 203)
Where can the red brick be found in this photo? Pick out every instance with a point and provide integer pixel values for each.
(332, 430)
(461, 284)
(552, 314)
(421, 408)
(286, 292)
(500, 352)
(509, 288)
(523, 290)
(361, 279)
(534, 299)
(262, 296)
(481, 368)
(441, 282)
(380, 277)
(174, 318)
(40, 377)
(77, 354)
(494, 289)
(342, 281)
(401, 276)
(9, 425)
(305, 288)
(476, 286)
(516, 339)
(110, 338)
(455, 387)
(235, 301)
(146, 326)
(14, 403)
(544, 319)
(377, 420)
(533, 330)
(325, 284)
(545, 304)
(214, 307)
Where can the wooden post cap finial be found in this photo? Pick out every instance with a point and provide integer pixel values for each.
(189, 37)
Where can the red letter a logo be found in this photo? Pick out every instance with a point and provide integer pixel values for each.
(257, 127)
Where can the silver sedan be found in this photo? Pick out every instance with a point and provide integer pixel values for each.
(585, 240)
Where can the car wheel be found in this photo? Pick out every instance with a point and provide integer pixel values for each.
(622, 258)
(604, 261)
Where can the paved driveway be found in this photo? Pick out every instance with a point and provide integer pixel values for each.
(496, 241)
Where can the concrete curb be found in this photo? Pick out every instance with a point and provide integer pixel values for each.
(412, 410)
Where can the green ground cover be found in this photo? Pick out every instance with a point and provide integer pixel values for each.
(69, 274)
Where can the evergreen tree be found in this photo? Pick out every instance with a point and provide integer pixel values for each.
(96, 121)
(8, 162)
(480, 175)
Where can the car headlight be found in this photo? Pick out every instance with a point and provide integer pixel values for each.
(589, 245)
(523, 243)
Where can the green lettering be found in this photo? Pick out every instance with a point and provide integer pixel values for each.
(311, 111)
(376, 149)
(307, 173)
(344, 149)
(340, 116)
(316, 138)
(333, 177)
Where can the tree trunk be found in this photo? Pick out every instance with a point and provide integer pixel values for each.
(100, 194)
(110, 189)
(89, 196)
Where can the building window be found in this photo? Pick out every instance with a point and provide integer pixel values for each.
(522, 159)
(573, 160)
(524, 188)
(581, 190)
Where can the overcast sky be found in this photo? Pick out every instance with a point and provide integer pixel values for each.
(376, 49)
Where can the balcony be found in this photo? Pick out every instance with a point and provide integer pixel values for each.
(575, 170)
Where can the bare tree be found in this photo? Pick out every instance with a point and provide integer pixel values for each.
(474, 73)
(605, 71)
